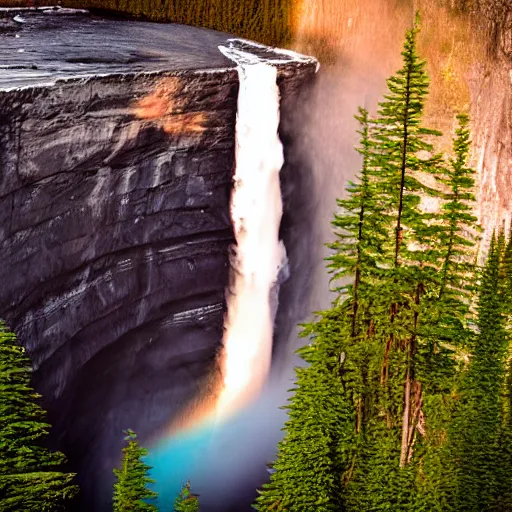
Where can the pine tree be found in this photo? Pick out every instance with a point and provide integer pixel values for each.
(394, 262)
(404, 145)
(445, 332)
(504, 502)
(131, 492)
(507, 279)
(30, 480)
(360, 230)
(186, 501)
(361, 234)
(408, 266)
(504, 492)
(417, 369)
(316, 450)
(476, 429)
(457, 239)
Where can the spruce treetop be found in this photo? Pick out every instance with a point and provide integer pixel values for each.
(186, 501)
(30, 476)
(131, 491)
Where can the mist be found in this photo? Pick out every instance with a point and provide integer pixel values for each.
(233, 459)
(359, 48)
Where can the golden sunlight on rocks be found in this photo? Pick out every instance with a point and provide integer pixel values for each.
(162, 107)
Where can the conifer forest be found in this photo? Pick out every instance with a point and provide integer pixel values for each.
(401, 395)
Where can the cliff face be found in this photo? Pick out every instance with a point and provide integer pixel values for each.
(115, 238)
(492, 117)
(101, 212)
(115, 226)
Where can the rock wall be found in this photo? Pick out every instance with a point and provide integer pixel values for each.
(491, 90)
(115, 234)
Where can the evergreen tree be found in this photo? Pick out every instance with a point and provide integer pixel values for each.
(457, 238)
(476, 429)
(360, 230)
(507, 279)
(504, 502)
(504, 492)
(404, 146)
(316, 450)
(446, 331)
(30, 480)
(131, 492)
(409, 259)
(409, 262)
(385, 357)
(186, 501)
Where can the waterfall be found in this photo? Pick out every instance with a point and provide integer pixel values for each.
(256, 210)
(215, 441)
(259, 264)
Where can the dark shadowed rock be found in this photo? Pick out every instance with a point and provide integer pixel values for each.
(117, 148)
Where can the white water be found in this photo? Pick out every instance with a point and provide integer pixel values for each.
(256, 210)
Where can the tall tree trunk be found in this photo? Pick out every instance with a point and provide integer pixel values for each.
(406, 418)
(357, 279)
(398, 234)
(398, 229)
(409, 378)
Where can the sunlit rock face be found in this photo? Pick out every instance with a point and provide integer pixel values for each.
(492, 117)
(117, 144)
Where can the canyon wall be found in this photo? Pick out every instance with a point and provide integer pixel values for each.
(491, 94)
(115, 237)
(116, 231)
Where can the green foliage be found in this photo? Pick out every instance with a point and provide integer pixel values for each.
(403, 144)
(505, 437)
(360, 229)
(131, 492)
(186, 501)
(387, 357)
(504, 475)
(409, 367)
(378, 481)
(456, 237)
(476, 428)
(30, 479)
(315, 451)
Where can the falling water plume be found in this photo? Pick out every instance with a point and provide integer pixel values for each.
(258, 266)
(259, 256)
(256, 210)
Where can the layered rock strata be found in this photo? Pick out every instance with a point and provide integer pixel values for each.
(117, 143)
